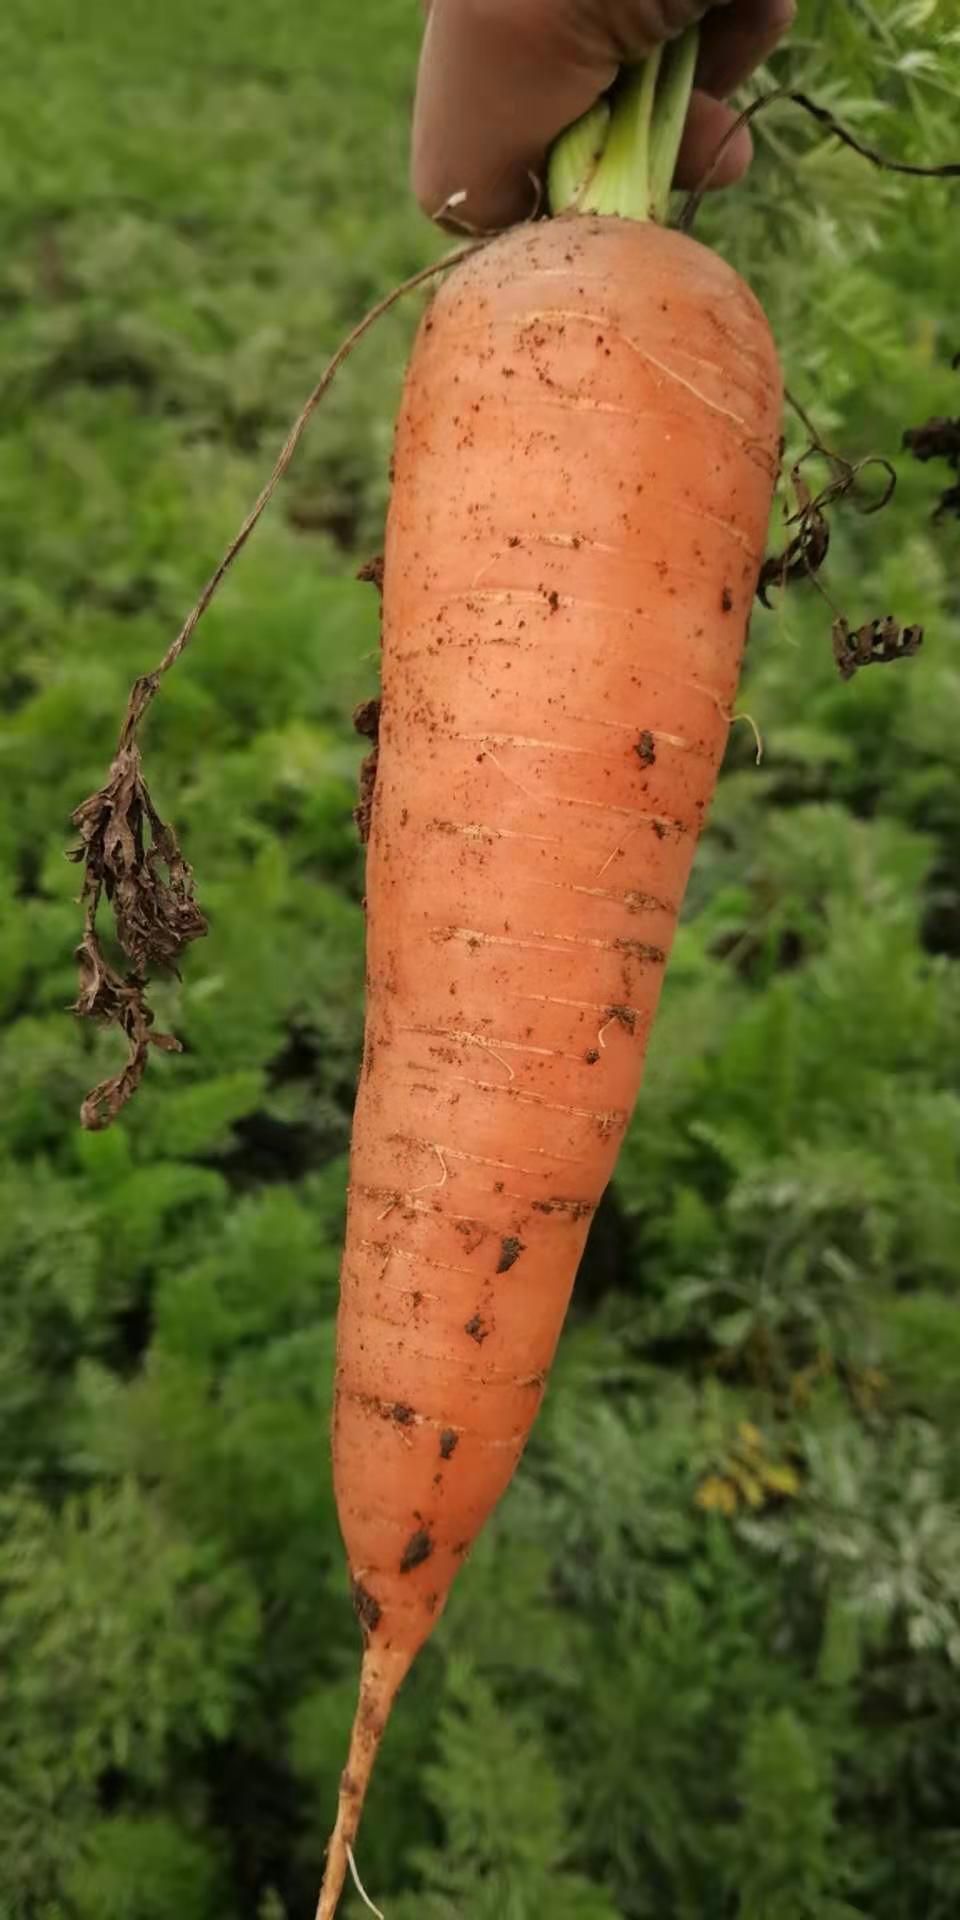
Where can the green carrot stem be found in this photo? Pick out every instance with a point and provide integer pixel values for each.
(620, 157)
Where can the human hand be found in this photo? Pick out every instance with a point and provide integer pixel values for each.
(499, 79)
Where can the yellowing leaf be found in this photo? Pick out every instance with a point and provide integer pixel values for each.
(749, 1486)
(716, 1495)
(783, 1480)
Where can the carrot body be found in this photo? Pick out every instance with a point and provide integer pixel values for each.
(585, 461)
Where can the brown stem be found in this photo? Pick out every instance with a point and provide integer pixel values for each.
(127, 851)
(804, 418)
(949, 171)
(846, 472)
(145, 688)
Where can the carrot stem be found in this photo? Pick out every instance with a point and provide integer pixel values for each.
(575, 157)
(669, 119)
(621, 183)
(619, 158)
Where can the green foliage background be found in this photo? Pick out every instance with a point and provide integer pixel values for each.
(705, 1665)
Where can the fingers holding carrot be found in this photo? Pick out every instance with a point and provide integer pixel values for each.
(500, 79)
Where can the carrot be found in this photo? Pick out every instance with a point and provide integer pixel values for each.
(584, 467)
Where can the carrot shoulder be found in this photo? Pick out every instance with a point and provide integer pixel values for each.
(584, 467)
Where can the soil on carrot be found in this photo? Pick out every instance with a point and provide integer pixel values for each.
(366, 720)
(419, 1547)
(366, 1608)
(472, 1232)
(642, 950)
(372, 570)
(387, 1409)
(624, 1016)
(448, 1443)
(477, 1329)
(511, 1247)
(646, 748)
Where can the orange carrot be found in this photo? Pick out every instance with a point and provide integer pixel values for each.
(585, 461)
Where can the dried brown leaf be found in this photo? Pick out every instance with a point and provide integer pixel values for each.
(876, 643)
(120, 1001)
(937, 439)
(132, 856)
(802, 557)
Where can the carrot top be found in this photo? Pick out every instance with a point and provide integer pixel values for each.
(620, 157)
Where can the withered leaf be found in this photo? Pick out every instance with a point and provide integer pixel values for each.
(937, 439)
(876, 643)
(803, 556)
(125, 847)
(132, 856)
(120, 1001)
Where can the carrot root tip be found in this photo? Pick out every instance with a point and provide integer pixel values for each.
(381, 1674)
